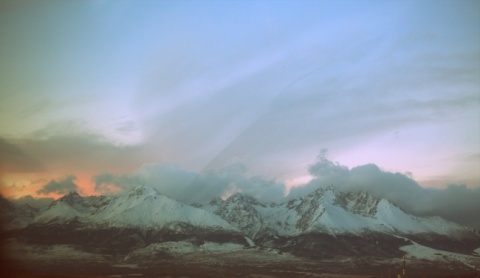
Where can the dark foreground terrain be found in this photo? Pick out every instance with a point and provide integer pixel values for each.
(72, 251)
(22, 260)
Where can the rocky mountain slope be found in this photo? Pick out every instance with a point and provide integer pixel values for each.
(329, 212)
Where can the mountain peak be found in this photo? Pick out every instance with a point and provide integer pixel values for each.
(5, 205)
(239, 197)
(142, 190)
(70, 198)
(322, 189)
(216, 201)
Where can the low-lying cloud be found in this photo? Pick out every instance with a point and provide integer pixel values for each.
(193, 187)
(34, 202)
(61, 186)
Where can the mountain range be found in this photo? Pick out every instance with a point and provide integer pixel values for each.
(327, 222)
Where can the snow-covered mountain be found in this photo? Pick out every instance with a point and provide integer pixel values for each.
(241, 211)
(323, 223)
(142, 207)
(143, 225)
(330, 212)
(325, 210)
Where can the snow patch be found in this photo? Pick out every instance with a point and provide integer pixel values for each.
(214, 247)
(178, 247)
(419, 251)
(249, 241)
(185, 247)
(58, 211)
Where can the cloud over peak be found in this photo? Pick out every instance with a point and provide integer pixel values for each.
(61, 186)
(193, 187)
(454, 202)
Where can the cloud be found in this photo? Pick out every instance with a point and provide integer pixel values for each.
(14, 159)
(62, 186)
(126, 127)
(34, 202)
(66, 151)
(457, 203)
(193, 187)
(234, 178)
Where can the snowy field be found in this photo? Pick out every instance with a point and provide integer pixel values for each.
(416, 251)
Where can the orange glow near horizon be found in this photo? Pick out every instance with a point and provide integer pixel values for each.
(19, 185)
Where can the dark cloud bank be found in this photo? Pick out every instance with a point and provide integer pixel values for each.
(455, 202)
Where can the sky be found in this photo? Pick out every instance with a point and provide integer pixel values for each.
(217, 97)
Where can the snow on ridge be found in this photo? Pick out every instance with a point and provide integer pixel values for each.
(325, 210)
(157, 210)
(393, 216)
(142, 207)
(58, 212)
(146, 207)
(142, 190)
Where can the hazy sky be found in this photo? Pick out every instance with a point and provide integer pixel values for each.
(94, 93)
